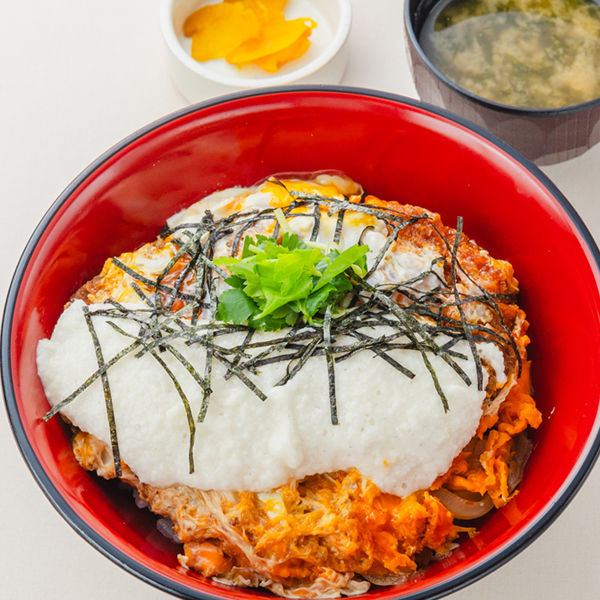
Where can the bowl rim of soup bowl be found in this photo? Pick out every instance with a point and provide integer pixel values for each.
(535, 526)
(412, 38)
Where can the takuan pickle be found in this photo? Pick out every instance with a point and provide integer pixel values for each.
(246, 32)
(526, 53)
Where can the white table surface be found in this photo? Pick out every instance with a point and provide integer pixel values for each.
(77, 76)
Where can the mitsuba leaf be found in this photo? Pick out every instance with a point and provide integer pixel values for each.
(341, 263)
(246, 252)
(235, 282)
(291, 241)
(276, 300)
(273, 283)
(292, 271)
(267, 323)
(235, 307)
(289, 313)
(314, 302)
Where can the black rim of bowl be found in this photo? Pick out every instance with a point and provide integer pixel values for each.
(410, 17)
(526, 537)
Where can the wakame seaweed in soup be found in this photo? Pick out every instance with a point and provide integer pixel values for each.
(526, 53)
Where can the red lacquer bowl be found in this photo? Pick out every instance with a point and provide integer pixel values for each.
(398, 149)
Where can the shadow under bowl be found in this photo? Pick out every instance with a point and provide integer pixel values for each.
(399, 149)
(545, 136)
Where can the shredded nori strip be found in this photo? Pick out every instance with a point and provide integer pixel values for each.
(293, 371)
(330, 365)
(200, 272)
(388, 242)
(238, 236)
(214, 267)
(181, 278)
(86, 384)
(184, 249)
(337, 235)
(386, 214)
(388, 359)
(182, 395)
(207, 379)
(360, 239)
(209, 355)
(151, 283)
(466, 329)
(240, 375)
(490, 300)
(149, 300)
(414, 327)
(186, 404)
(275, 345)
(166, 346)
(240, 354)
(110, 413)
(317, 216)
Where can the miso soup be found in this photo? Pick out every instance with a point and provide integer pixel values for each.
(527, 53)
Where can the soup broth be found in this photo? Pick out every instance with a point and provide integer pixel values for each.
(526, 53)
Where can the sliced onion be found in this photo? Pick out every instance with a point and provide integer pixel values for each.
(385, 580)
(523, 448)
(165, 526)
(138, 501)
(476, 447)
(462, 508)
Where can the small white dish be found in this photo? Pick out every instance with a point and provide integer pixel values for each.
(324, 62)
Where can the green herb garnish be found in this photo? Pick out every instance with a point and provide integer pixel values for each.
(272, 284)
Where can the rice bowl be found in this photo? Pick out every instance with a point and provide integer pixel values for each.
(139, 226)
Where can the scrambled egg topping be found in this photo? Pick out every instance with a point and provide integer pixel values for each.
(311, 538)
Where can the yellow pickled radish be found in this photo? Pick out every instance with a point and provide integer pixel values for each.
(217, 29)
(264, 9)
(248, 32)
(273, 8)
(273, 62)
(277, 35)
